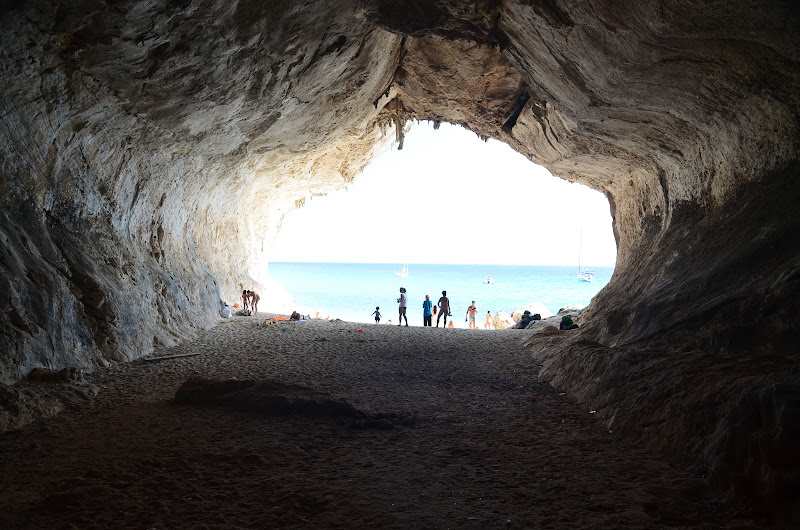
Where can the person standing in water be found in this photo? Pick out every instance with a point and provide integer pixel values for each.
(444, 308)
(377, 314)
(488, 324)
(472, 312)
(427, 315)
(403, 301)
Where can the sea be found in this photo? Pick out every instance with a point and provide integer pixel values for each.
(352, 291)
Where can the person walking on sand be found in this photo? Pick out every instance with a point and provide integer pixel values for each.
(488, 324)
(254, 298)
(403, 301)
(427, 314)
(377, 314)
(472, 312)
(444, 308)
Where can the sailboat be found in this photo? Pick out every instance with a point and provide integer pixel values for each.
(585, 275)
(403, 273)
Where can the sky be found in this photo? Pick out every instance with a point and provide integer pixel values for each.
(450, 197)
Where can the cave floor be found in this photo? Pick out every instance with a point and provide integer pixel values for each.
(493, 445)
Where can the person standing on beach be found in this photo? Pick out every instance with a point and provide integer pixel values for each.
(426, 311)
(403, 301)
(245, 300)
(472, 312)
(254, 298)
(377, 314)
(488, 324)
(444, 308)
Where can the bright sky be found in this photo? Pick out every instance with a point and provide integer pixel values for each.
(449, 197)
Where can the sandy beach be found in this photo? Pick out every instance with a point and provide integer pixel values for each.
(483, 443)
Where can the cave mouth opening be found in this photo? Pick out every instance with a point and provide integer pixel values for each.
(448, 201)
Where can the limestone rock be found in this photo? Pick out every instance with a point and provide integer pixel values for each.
(502, 320)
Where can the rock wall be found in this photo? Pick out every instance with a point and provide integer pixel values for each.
(149, 151)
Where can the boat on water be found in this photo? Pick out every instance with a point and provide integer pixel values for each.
(488, 280)
(403, 273)
(585, 275)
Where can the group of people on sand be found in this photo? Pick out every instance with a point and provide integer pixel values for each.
(441, 310)
(250, 302)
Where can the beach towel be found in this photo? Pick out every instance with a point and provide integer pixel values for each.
(277, 319)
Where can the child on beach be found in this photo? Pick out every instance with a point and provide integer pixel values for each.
(488, 324)
(245, 300)
(377, 314)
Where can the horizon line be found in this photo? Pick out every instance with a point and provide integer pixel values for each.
(431, 263)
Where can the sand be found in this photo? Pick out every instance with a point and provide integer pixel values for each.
(491, 444)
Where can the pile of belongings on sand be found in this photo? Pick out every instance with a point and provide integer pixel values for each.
(567, 323)
(528, 320)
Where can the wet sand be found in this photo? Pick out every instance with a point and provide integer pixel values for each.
(492, 445)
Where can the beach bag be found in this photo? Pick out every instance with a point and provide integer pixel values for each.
(225, 313)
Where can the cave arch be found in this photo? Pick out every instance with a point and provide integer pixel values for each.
(130, 131)
(448, 182)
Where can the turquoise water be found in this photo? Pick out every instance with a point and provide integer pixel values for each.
(351, 291)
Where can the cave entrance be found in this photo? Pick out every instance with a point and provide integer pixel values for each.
(447, 198)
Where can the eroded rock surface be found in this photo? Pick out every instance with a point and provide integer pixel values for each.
(134, 136)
